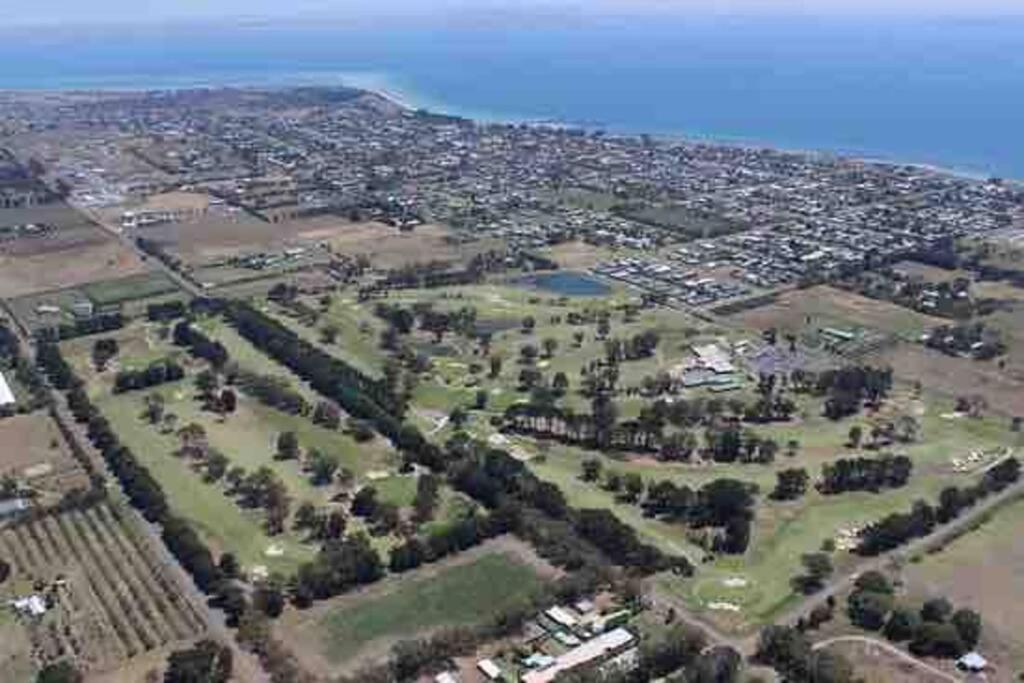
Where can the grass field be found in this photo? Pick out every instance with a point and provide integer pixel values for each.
(783, 530)
(143, 286)
(247, 437)
(465, 590)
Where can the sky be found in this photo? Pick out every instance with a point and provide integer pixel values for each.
(70, 12)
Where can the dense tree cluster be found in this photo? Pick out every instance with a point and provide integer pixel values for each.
(206, 662)
(166, 311)
(865, 474)
(935, 630)
(199, 345)
(273, 391)
(157, 372)
(901, 527)
(103, 322)
(339, 566)
(789, 652)
(974, 339)
(845, 389)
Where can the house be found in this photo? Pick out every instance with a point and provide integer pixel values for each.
(608, 644)
(12, 507)
(562, 617)
(32, 606)
(973, 662)
(445, 677)
(489, 668)
(6, 395)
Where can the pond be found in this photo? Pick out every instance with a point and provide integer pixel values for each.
(565, 283)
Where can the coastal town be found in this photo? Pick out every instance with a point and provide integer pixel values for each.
(699, 223)
(304, 385)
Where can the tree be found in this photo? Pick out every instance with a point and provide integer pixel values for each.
(868, 610)
(634, 487)
(323, 467)
(206, 383)
(287, 446)
(305, 516)
(364, 503)
(60, 672)
(154, 410)
(855, 435)
(495, 362)
(934, 639)
(102, 351)
(458, 417)
(228, 401)
(216, 466)
(902, 625)
(329, 333)
(327, 415)
(790, 484)
(206, 662)
(968, 625)
(528, 324)
(5, 570)
(936, 610)
(817, 568)
(550, 345)
(480, 400)
(591, 469)
(874, 581)
(228, 566)
(560, 383)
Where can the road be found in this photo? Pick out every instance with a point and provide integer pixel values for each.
(891, 649)
(247, 667)
(115, 230)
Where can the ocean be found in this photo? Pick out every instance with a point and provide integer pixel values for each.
(945, 92)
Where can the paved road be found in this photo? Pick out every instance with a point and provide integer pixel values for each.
(893, 650)
(115, 230)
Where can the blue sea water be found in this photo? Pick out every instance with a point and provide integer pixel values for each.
(945, 92)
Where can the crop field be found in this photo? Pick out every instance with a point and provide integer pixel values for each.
(112, 598)
(247, 437)
(464, 590)
(33, 451)
(800, 310)
(983, 570)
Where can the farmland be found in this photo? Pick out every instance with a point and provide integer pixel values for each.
(112, 599)
(464, 591)
(73, 252)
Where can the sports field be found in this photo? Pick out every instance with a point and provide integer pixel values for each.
(463, 591)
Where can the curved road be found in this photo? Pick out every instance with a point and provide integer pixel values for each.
(891, 649)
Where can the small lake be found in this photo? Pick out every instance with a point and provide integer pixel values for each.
(565, 283)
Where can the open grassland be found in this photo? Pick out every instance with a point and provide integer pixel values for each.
(117, 600)
(247, 437)
(799, 310)
(1000, 383)
(983, 570)
(461, 591)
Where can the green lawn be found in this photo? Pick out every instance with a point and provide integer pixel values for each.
(129, 288)
(465, 594)
(247, 437)
(783, 531)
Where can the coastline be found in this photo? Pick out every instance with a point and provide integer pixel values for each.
(385, 87)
